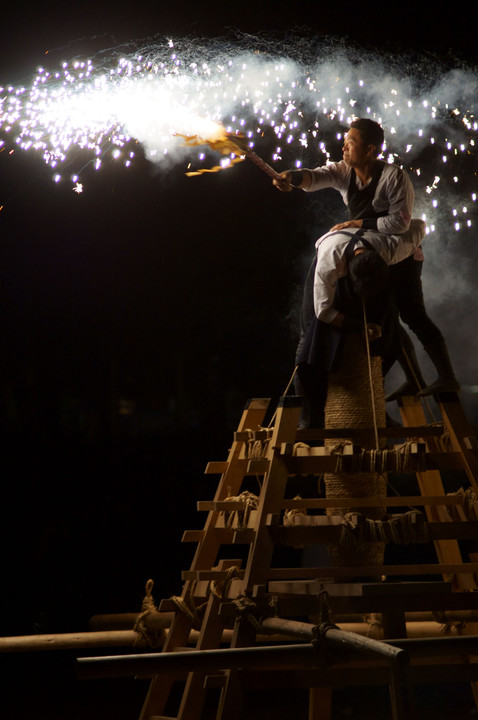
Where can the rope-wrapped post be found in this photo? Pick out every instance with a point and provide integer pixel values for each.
(356, 399)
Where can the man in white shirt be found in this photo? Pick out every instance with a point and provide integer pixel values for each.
(379, 197)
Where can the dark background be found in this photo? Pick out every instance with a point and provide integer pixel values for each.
(138, 318)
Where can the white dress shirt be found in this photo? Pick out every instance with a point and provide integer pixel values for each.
(331, 263)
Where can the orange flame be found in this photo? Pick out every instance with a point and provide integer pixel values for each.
(220, 141)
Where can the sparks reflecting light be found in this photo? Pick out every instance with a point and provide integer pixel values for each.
(86, 111)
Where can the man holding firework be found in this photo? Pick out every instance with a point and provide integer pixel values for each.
(379, 197)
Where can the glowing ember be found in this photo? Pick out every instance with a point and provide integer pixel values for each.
(219, 141)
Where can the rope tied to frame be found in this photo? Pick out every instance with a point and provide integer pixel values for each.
(254, 448)
(250, 610)
(187, 605)
(448, 626)
(220, 588)
(408, 527)
(241, 515)
(153, 638)
(469, 506)
(319, 631)
(217, 588)
(384, 460)
(375, 626)
(290, 515)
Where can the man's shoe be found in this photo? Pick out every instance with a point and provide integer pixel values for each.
(441, 386)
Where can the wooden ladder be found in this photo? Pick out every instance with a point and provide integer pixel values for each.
(219, 588)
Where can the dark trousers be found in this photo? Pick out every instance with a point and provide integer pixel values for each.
(406, 277)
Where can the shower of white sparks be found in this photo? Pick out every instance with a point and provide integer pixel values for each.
(294, 114)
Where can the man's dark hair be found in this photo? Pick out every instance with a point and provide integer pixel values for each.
(368, 273)
(370, 132)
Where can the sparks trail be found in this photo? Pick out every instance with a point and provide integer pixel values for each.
(294, 112)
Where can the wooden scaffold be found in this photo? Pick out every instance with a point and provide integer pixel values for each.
(239, 623)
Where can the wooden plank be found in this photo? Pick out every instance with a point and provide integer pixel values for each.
(224, 536)
(448, 670)
(313, 587)
(430, 483)
(258, 467)
(371, 501)
(320, 703)
(413, 448)
(215, 681)
(461, 434)
(273, 491)
(255, 435)
(298, 605)
(309, 534)
(208, 574)
(192, 536)
(420, 430)
(372, 571)
(216, 467)
(247, 467)
(310, 463)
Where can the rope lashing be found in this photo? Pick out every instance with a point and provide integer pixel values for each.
(470, 505)
(409, 527)
(449, 626)
(375, 626)
(241, 516)
(290, 515)
(319, 644)
(187, 605)
(398, 459)
(249, 610)
(153, 638)
(220, 588)
(255, 449)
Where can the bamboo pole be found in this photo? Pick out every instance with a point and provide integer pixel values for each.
(68, 641)
(130, 638)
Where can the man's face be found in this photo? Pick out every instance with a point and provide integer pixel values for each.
(355, 152)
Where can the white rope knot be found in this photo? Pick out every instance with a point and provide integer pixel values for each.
(241, 516)
(220, 588)
(290, 515)
(187, 605)
(152, 638)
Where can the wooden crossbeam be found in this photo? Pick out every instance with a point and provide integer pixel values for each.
(466, 568)
(311, 531)
(322, 503)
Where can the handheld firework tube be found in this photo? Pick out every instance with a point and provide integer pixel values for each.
(230, 144)
(240, 141)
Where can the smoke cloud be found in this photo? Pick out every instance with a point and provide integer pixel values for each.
(292, 100)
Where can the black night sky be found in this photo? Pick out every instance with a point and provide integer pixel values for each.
(137, 318)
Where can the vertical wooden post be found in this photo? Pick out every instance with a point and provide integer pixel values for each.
(430, 483)
(320, 703)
